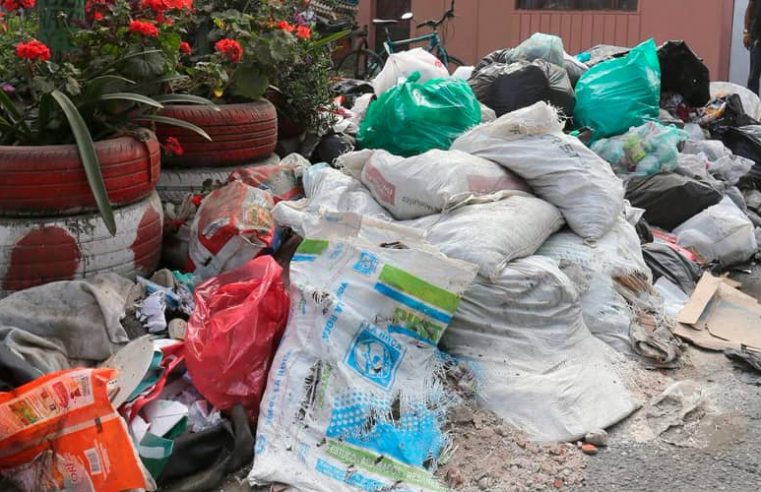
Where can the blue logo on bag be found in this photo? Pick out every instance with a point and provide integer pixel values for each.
(367, 263)
(375, 356)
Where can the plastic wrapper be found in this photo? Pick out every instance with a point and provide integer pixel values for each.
(505, 88)
(233, 225)
(415, 117)
(620, 93)
(402, 65)
(282, 180)
(234, 332)
(61, 432)
(647, 149)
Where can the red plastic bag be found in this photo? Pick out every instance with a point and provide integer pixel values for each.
(234, 331)
(279, 179)
(233, 225)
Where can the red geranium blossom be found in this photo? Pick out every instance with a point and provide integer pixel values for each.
(303, 32)
(185, 48)
(230, 48)
(33, 50)
(97, 16)
(11, 5)
(285, 26)
(144, 28)
(173, 147)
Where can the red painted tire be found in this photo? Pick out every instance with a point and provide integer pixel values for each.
(176, 183)
(240, 133)
(35, 251)
(50, 180)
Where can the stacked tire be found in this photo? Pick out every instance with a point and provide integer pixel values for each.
(243, 135)
(50, 228)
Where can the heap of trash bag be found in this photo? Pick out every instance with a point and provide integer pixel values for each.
(531, 217)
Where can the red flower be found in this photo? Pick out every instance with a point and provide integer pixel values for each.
(230, 48)
(97, 16)
(28, 4)
(173, 147)
(303, 32)
(144, 28)
(185, 48)
(11, 5)
(285, 26)
(33, 50)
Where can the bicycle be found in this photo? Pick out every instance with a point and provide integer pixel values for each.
(362, 63)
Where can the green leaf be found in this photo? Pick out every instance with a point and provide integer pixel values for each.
(249, 81)
(166, 120)
(147, 66)
(13, 112)
(131, 96)
(98, 85)
(184, 99)
(89, 158)
(331, 38)
(43, 116)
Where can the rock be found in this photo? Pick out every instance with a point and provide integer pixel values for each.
(177, 328)
(558, 483)
(462, 415)
(590, 449)
(484, 483)
(454, 477)
(164, 278)
(597, 437)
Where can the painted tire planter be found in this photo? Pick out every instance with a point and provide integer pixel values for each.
(241, 133)
(34, 251)
(50, 180)
(175, 183)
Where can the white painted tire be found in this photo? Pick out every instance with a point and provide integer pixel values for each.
(175, 183)
(38, 250)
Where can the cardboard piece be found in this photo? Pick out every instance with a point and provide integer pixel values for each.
(718, 316)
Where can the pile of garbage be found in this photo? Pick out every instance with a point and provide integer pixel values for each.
(538, 222)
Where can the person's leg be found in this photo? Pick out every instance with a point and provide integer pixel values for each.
(755, 67)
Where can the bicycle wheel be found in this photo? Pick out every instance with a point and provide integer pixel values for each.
(361, 64)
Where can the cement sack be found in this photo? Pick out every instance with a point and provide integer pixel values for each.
(539, 368)
(355, 398)
(400, 66)
(558, 167)
(601, 274)
(327, 190)
(493, 231)
(432, 182)
(720, 233)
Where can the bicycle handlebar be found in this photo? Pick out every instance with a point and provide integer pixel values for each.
(449, 14)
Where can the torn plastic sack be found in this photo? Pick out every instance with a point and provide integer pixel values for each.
(538, 366)
(432, 182)
(647, 149)
(233, 224)
(670, 199)
(621, 93)
(558, 167)
(328, 190)
(354, 398)
(750, 101)
(282, 180)
(574, 68)
(541, 46)
(234, 331)
(614, 285)
(492, 231)
(415, 117)
(665, 261)
(684, 73)
(61, 432)
(720, 233)
(400, 66)
(505, 88)
(713, 149)
(731, 168)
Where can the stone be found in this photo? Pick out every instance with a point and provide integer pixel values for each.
(597, 437)
(590, 449)
(177, 328)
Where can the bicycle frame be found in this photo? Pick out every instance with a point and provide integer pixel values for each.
(435, 44)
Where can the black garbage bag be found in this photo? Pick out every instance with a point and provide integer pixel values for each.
(665, 261)
(603, 52)
(351, 89)
(574, 71)
(332, 146)
(201, 461)
(683, 72)
(507, 87)
(746, 142)
(644, 232)
(498, 56)
(670, 199)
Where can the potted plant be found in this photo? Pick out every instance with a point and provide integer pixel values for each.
(72, 122)
(241, 51)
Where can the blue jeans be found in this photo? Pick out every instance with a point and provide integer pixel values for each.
(755, 66)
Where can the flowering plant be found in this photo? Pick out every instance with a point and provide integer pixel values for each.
(243, 48)
(107, 78)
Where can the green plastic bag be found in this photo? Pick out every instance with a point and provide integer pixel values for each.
(621, 93)
(413, 118)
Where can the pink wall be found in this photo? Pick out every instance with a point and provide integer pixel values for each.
(485, 25)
